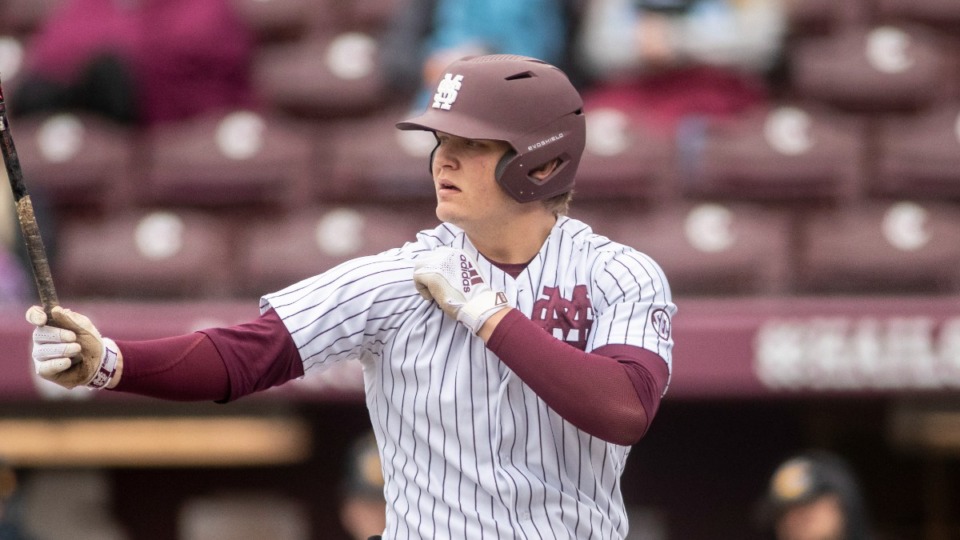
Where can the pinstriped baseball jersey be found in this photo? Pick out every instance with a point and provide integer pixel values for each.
(468, 450)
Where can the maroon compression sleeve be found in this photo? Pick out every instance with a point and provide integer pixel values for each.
(612, 393)
(218, 364)
(258, 354)
(182, 368)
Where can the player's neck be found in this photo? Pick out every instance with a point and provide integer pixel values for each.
(516, 242)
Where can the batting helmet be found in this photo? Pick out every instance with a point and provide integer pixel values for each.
(525, 102)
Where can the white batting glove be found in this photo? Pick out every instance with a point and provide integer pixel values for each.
(70, 351)
(449, 276)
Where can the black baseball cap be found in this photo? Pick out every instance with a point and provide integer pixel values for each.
(808, 476)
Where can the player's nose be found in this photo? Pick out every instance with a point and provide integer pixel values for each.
(444, 157)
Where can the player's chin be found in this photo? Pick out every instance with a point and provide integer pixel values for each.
(448, 212)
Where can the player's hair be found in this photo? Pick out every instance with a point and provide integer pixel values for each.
(527, 103)
(559, 204)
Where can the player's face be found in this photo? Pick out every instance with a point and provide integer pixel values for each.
(464, 178)
(821, 519)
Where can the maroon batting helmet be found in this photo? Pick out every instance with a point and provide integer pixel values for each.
(525, 102)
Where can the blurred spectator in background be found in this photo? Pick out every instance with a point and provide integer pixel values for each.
(137, 61)
(11, 527)
(814, 496)
(424, 36)
(668, 61)
(362, 504)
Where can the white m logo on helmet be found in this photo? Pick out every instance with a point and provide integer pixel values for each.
(447, 91)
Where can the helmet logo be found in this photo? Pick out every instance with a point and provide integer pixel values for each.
(447, 91)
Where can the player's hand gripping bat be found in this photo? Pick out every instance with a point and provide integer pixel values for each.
(28, 222)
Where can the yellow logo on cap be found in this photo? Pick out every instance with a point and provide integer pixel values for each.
(792, 481)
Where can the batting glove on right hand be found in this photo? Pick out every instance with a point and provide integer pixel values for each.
(450, 277)
(70, 351)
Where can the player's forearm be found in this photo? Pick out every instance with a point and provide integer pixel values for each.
(614, 399)
(182, 368)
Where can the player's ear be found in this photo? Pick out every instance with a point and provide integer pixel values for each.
(546, 170)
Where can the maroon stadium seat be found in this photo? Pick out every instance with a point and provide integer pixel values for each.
(323, 75)
(78, 162)
(373, 160)
(704, 248)
(229, 159)
(622, 159)
(788, 153)
(24, 16)
(283, 20)
(873, 68)
(880, 247)
(919, 155)
(823, 16)
(282, 250)
(940, 13)
(286, 20)
(144, 254)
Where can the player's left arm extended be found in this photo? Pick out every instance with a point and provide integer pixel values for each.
(215, 364)
(612, 393)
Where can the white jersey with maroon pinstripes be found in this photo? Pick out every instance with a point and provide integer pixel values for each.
(468, 450)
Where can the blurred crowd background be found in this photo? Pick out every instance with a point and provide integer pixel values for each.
(189, 153)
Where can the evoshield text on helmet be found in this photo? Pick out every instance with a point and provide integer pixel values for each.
(525, 102)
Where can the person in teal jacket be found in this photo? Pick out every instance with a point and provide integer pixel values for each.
(426, 35)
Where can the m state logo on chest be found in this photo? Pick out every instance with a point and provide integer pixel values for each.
(568, 319)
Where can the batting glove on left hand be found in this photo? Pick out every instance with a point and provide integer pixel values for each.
(70, 351)
(449, 276)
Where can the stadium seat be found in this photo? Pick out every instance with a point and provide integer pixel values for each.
(285, 20)
(374, 161)
(939, 13)
(24, 16)
(880, 248)
(876, 68)
(787, 153)
(808, 17)
(322, 75)
(283, 250)
(622, 159)
(144, 254)
(919, 155)
(705, 248)
(373, 15)
(78, 162)
(229, 159)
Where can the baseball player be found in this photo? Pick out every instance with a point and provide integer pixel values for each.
(511, 356)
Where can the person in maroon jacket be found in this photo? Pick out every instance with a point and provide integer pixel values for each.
(138, 61)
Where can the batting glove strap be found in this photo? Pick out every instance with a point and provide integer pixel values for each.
(108, 365)
(480, 308)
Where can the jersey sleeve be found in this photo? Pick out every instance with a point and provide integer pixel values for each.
(633, 304)
(349, 311)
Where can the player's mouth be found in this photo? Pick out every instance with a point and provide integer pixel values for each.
(446, 187)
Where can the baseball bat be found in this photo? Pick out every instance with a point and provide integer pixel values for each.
(28, 221)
